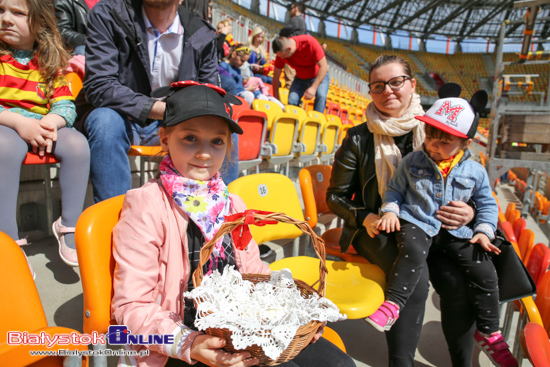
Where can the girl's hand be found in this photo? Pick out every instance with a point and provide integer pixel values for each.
(256, 68)
(389, 223)
(250, 88)
(455, 215)
(207, 349)
(371, 224)
(32, 132)
(485, 242)
(49, 142)
(319, 333)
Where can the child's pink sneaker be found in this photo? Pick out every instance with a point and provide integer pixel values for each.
(496, 349)
(384, 318)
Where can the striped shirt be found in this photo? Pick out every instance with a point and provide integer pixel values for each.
(24, 90)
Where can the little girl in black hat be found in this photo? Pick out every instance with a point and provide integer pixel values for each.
(426, 180)
(163, 226)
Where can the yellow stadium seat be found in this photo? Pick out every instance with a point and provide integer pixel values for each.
(282, 129)
(283, 95)
(309, 132)
(329, 137)
(357, 289)
(270, 192)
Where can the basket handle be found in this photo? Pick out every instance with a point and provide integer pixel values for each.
(261, 218)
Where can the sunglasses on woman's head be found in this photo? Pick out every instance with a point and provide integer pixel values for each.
(395, 83)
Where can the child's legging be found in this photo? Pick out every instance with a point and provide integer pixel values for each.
(472, 259)
(71, 149)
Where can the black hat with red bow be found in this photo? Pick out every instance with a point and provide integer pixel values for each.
(189, 99)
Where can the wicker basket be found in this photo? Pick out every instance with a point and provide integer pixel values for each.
(305, 333)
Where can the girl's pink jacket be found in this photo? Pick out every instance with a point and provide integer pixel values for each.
(152, 271)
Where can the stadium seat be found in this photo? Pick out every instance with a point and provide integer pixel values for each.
(535, 344)
(275, 193)
(283, 132)
(309, 133)
(251, 143)
(538, 262)
(75, 83)
(22, 311)
(146, 153)
(543, 300)
(333, 109)
(283, 95)
(333, 337)
(308, 104)
(93, 237)
(329, 137)
(525, 243)
(519, 226)
(314, 182)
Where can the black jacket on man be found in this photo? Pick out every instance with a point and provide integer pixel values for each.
(72, 20)
(118, 74)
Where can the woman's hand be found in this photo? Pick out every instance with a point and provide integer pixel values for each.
(319, 333)
(455, 215)
(207, 349)
(256, 68)
(371, 224)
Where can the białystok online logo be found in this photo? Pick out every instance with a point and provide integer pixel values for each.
(116, 335)
(119, 334)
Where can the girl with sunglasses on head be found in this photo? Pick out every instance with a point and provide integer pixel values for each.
(230, 72)
(363, 167)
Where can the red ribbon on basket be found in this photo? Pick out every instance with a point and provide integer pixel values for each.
(241, 234)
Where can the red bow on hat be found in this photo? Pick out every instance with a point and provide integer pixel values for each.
(241, 234)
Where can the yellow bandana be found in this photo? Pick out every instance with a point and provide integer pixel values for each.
(446, 165)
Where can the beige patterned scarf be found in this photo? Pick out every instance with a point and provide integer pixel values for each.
(386, 154)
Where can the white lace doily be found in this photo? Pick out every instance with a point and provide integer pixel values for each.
(267, 314)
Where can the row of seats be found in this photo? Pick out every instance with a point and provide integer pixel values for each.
(280, 136)
(537, 260)
(540, 207)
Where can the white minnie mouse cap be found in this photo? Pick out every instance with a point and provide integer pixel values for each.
(454, 115)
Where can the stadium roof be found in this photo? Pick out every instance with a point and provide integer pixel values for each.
(456, 19)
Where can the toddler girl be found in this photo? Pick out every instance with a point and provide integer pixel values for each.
(36, 113)
(425, 180)
(163, 226)
(257, 86)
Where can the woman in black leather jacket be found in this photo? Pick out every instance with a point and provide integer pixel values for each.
(362, 166)
(72, 22)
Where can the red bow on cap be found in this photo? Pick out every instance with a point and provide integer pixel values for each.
(241, 234)
(190, 83)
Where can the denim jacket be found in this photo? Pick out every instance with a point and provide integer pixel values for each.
(417, 190)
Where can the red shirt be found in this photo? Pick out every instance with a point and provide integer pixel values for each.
(304, 60)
